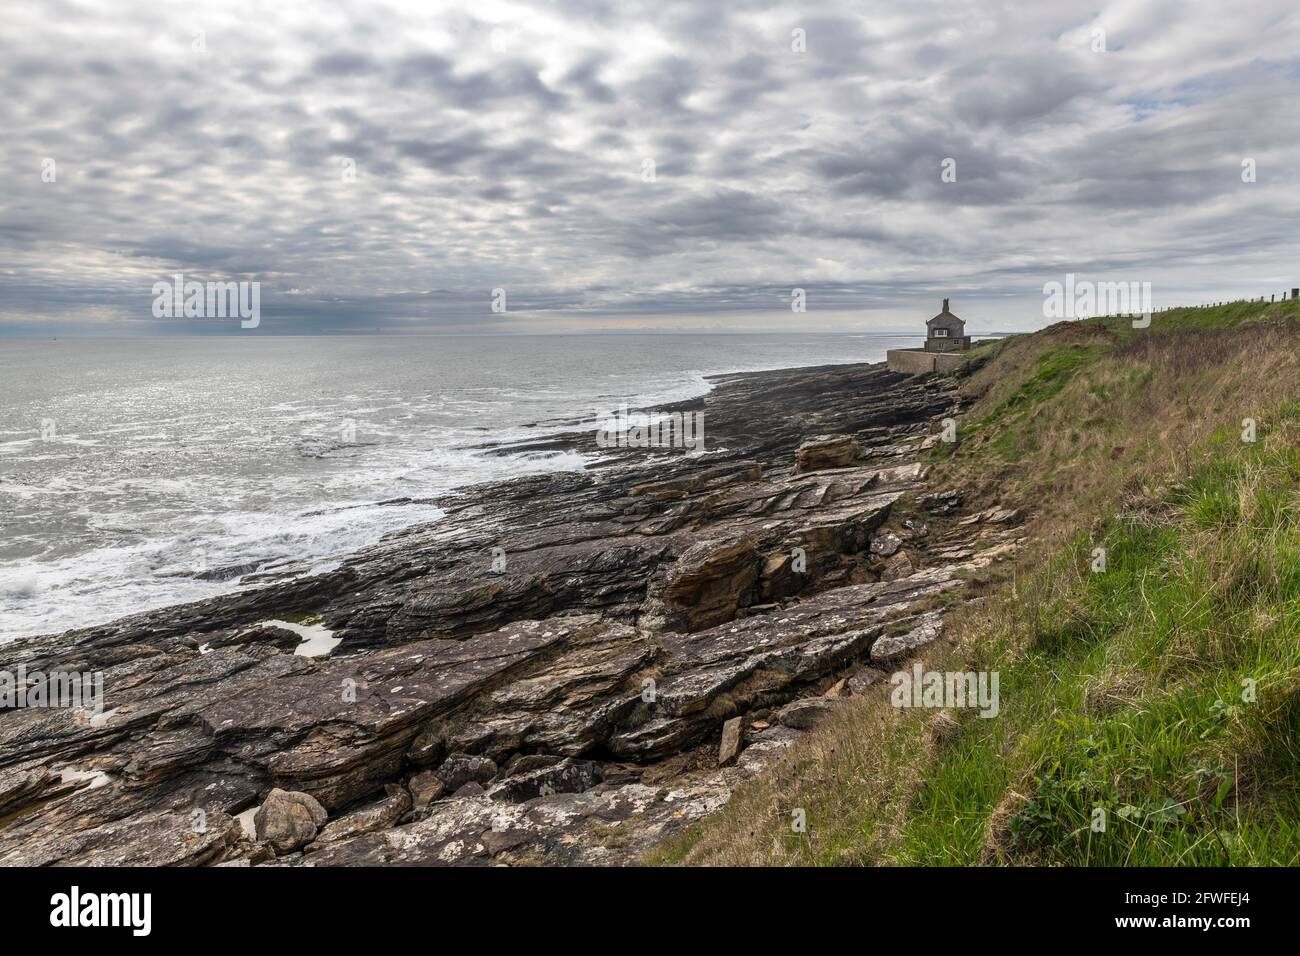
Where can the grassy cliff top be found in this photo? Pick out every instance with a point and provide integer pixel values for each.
(1150, 700)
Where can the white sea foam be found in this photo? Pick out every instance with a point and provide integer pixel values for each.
(186, 477)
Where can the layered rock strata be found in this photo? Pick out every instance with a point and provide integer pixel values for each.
(567, 668)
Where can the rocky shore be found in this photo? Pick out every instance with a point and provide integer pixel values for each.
(566, 669)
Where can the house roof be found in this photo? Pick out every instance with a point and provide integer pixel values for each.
(947, 320)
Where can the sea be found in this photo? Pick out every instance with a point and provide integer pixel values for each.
(139, 473)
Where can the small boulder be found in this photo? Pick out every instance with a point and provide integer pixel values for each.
(803, 714)
(375, 816)
(459, 769)
(425, 788)
(866, 677)
(890, 650)
(289, 819)
(886, 544)
(733, 735)
(826, 451)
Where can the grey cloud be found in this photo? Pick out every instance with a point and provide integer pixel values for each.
(1014, 91)
(344, 63)
(586, 76)
(516, 158)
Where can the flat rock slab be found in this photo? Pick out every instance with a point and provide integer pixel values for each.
(541, 676)
(733, 736)
(888, 650)
(805, 713)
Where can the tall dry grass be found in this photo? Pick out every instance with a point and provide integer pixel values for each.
(1121, 690)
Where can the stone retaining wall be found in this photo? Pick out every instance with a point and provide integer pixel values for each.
(919, 361)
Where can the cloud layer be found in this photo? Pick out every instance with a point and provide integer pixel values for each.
(639, 164)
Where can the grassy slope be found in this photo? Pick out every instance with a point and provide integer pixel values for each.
(1127, 690)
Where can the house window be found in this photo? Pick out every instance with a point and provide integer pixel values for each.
(940, 333)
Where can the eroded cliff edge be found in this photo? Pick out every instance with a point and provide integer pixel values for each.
(566, 669)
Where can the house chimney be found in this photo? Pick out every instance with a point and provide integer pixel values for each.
(945, 305)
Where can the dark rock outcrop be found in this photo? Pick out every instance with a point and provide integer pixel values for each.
(561, 670)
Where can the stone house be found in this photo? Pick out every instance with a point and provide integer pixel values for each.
(945, 332)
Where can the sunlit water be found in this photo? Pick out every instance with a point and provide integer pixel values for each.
(173, 469)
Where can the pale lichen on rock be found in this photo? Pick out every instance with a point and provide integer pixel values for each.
(666, 625)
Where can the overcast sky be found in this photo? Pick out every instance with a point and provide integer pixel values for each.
(508, 145)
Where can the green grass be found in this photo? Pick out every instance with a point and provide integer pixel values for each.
(1160, 695)
(1202, 318)
(1010, 422)
(1129, 692)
